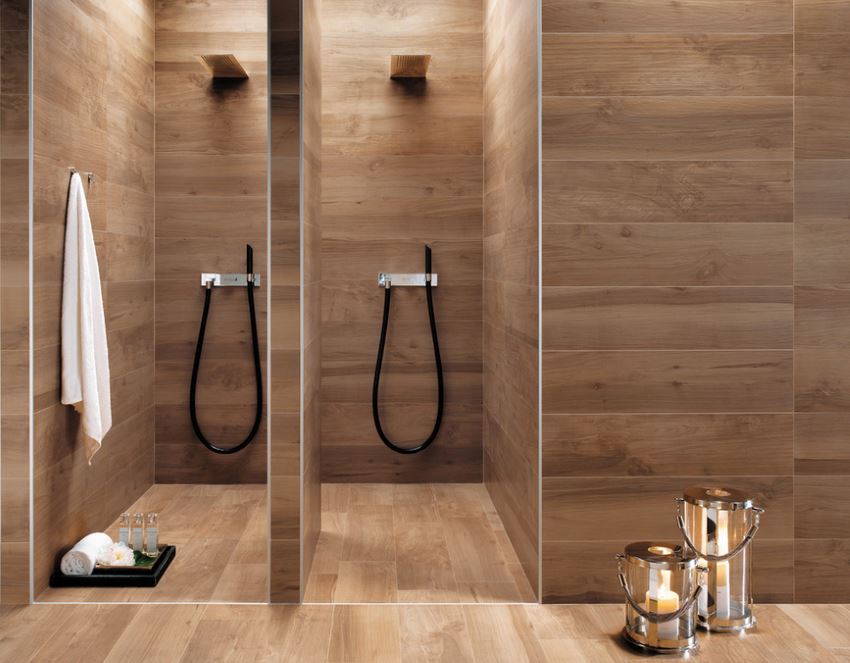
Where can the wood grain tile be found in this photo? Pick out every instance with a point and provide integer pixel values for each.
(820, 380)
(821, 193)
(821, 127)
(440, 16)
(819, 570)
(667, 128)
(821, 16)
(821, 64)
(669, 192)
(819, 250)
(580, 571)
(660, 381)
(364, 634)
(821, 315)
(821, 507)
(667, 445)
(210, 564)
(646, 65)
(413, 543)
(591, 509)
(651, 318)
(667, 254)
(752, 16)
(820, 445)
(323, 634)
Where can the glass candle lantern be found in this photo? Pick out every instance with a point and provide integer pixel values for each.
(718, 525)
(660, 581)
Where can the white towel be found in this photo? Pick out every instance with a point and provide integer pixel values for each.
(85, 358)
(80, 560)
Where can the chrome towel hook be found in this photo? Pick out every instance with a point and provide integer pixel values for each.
(89, 175)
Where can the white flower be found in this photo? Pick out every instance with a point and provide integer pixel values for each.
(116, 554)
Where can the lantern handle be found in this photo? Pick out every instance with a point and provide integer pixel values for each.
(656, 618)
(757, 511)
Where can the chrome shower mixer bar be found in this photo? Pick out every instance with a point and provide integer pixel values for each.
(385, 280)
(226, 280)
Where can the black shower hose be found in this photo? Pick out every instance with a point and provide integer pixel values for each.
(258, 374)
(437, 362)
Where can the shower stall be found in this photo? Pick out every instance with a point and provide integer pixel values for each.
(319, 430)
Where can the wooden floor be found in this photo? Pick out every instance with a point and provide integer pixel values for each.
(390, 634)
(413, 543)
(221, 534)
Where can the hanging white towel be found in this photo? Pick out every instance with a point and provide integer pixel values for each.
(85, 357)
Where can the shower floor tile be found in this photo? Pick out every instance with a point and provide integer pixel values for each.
(413, 543)
(221, 536)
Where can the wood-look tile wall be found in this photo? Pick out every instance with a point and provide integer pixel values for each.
(211, 175)
(401, 167)
(511, 290)
(288, 534)
(311, 78)
(93, 109)
(822, 287)
(14, 297)
(668, 303)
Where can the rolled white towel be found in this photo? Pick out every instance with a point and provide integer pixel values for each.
(80, 560)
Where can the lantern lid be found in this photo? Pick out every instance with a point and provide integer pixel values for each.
(717, 497)
(664, 555)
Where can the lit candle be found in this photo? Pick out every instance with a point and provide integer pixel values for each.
(660, 599)
(721, 597)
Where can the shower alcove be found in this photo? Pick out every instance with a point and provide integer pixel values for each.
(333, 171)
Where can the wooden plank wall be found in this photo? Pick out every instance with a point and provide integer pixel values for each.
(668, 243)
(288, 533)
(211, 174)
(401, 166)
(311, 78)
(511, 289)
(822, 316)
(94, 109)
(14, 295)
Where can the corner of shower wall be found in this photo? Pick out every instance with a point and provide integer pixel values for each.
(93, 109)
(511, 279)
(294, 280)
(311, 193)
(15, 298)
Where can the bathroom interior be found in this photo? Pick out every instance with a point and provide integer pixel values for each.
(568, 258)
(333, 170)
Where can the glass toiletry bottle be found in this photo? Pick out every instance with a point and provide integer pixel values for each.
(124, 529)
(152, 539)
(139, 532)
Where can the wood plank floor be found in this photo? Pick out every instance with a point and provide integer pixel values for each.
(390, 634)
(413, 543)
(221, 534)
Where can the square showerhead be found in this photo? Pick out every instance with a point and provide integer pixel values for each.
(222, 65)
(409, 66)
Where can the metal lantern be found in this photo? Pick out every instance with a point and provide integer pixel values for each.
(661, 584)
(718, 525)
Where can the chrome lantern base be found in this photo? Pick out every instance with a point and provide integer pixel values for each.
(675, 647)
(713, 624)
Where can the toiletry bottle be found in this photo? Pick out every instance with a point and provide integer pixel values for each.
(139, 532)
(124, 529)
(152, 531)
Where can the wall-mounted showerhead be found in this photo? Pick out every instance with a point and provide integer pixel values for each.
(409, 66)
(222, 65)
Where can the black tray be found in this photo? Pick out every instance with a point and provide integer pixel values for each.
(131, 576)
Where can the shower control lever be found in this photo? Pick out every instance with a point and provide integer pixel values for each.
(386, 279)
(225, 280)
